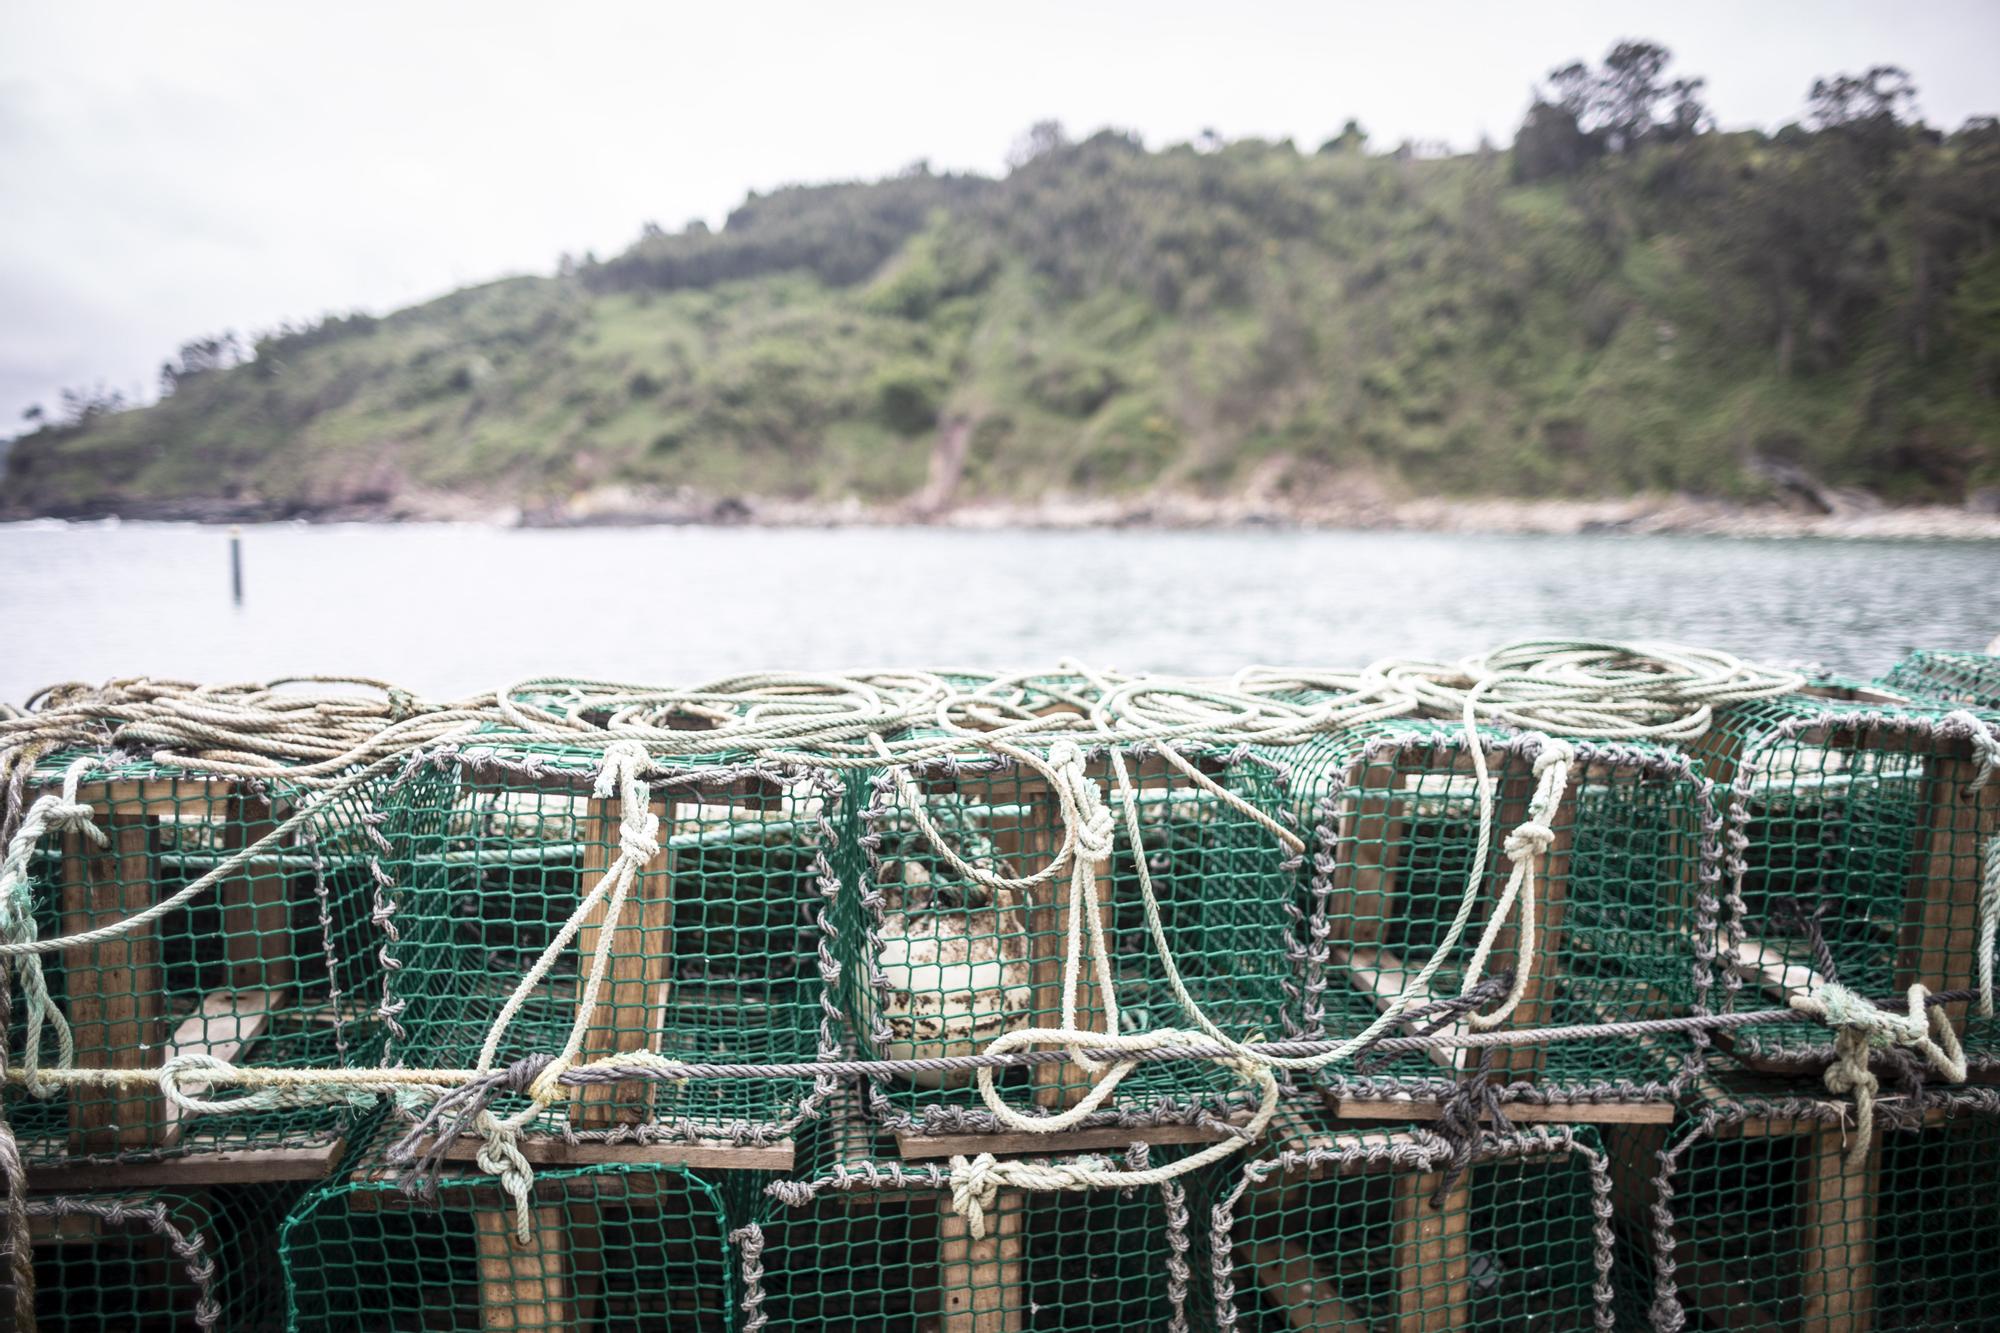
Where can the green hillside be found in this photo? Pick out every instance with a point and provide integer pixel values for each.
(1598, 310)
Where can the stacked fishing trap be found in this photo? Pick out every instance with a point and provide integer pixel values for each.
(1572, 986)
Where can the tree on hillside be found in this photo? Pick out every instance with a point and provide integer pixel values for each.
(1042, 138)
(1582, 113)
(198, 356)
(1351, 139)
(1871, 114)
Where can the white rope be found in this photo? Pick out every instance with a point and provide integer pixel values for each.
(1860, 1026)
(1525, 846)
(976, 1182)
(328, 742)
(51, 813)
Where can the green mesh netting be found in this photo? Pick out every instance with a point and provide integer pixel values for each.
(715, 956)
(612, 1247)
(1337, 1227)
(937, 963)
(1621, 900)
(876, 1245)
(274, 968)
(1860, 852)
(1940, 677)
(113, 1261)
(1770, 1225)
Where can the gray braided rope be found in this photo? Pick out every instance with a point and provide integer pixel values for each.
(191, 1248)
(749, 1243)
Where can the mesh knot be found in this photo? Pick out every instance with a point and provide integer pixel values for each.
(792, 1193)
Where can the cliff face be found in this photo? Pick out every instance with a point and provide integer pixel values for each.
(1731, 317)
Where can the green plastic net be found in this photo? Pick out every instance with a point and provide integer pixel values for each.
(611, 1246)
(1860, 837)
(715, 957)
(275, 967)
(864, 1240)
(1400, 1230)
(1754, 1210)
(1624, 901)
(138, 1260)
(938, 959)
(1936, 676)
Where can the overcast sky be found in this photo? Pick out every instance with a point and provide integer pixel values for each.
(171, 170)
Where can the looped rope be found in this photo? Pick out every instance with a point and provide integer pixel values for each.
(1525, 847)
(56, 812)
(1860, 1027)
(1985, 746)
(424, 1148)
(1459, 1114)
(975, 1189)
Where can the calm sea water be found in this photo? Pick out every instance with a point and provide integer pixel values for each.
(445, 609)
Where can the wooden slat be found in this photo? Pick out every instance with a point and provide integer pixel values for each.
(225, 1026)
(1370, 837)
(1767, 968)
(917, 1147)
(1293, 1282)
(522, 1287)
(1544, 964)
(238, 1166)
(1060, 1084)
(712, 1155)
(1941, 905)
(632, 1005)
(256, 912)
(74, 1229)
(1837, 1234)
(1383, 977)
(1521, 1113)
(980, 1280)
(115, 993)
(1433, 1248)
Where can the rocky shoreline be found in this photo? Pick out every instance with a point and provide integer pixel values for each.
(1639, 515)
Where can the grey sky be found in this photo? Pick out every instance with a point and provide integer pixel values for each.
(176, 170)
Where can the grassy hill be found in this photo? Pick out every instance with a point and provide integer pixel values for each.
(1721, 315)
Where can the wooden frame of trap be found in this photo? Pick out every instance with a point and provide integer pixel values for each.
(1837, 1202)
(116, 991)
(1940, 914)
(1355, 904)
(982, 1282)
(1025, 844)
(1430, 1244)
(637, 997)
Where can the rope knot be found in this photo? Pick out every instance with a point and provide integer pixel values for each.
(975, 1188)
(1985, 747)
(639, 836)
(521, 1075)
(1530, 840)
(1860, 1027)
(1554, 750)
(72, 816)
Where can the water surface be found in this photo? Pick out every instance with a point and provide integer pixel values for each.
(446, 609)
